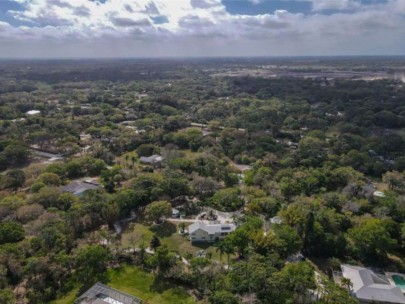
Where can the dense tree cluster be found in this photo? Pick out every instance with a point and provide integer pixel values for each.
(297, 160)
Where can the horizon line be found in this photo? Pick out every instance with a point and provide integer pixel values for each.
(195, 57)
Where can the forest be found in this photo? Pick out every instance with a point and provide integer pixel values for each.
(97, 155)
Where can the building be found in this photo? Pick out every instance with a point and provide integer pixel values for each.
(79, 187)
(151, 160)
(201, 232)
(370, 287)
(102, 294)
(175, 213)
(33, 112)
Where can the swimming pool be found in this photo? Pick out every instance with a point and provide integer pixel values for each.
(399, 281)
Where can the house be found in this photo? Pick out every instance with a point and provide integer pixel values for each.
(79, 187)
(370, 287)
(151, 160)
(175, 213)
(276, 220)
(33, 112)
(379, 194)
(201, 232)
(103, 294)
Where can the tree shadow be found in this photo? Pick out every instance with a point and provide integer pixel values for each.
(203, 245)
(160, 284)
(165, 229)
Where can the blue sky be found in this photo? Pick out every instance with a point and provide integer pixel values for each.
(131, 28)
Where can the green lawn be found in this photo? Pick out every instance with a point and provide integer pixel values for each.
(144, 285)
(168, 235)
(69, 298)
(141, 284)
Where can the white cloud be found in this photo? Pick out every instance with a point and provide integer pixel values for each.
(321, 5)
(200, 27)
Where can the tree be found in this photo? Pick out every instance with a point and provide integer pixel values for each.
(154, 242)
(157, 210)
(14, 179)
(7, 296)
(16, 153)
(11, 232)
(346, 283)
(91, 264)
(395, 180)
(293, 281)
(370, 239)
(110, 214)
(223, 297)
(163, 260)
(227, 199)
(334, 294)
(49, 179)
(240, 240)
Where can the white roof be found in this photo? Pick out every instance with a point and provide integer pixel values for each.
(370, 286)
(211, 228)
(379, 194)
(33, 112)
(151, 159)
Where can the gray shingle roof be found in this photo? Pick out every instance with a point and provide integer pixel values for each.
(370, 286)
(151, 159)
(211, 228)
(78, 187)
(100, 294)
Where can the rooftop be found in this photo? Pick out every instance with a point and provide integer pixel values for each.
(369, 286)
(103, 294)
(78, 187)
(211, 228)
(151, 159)
(33, 112)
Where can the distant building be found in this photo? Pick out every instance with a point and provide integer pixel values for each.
(102, 294)
(175, 213)
(201, 232)
(276, 220)
(151, 160)
(33, 112)
(379, 194)
(370, 287)
(242, 168)
(79, 187)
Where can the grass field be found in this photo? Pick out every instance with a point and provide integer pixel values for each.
(69, 298)
(141, 284)
(139, 234)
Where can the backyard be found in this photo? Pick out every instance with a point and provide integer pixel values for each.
(141, 284)
(139, 234)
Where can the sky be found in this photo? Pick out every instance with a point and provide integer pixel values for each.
(200, 28)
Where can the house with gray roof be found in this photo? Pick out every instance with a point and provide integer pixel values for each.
(201, 232)
(79, 187)
(103, 294)
(370, 287)
(151, 160)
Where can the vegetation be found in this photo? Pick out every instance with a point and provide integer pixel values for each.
(301, 165)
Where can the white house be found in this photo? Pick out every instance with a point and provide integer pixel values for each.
(201, 232)
(369, 287)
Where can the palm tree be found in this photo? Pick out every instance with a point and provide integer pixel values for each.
(225, 247)
(154, 242)
(346, 283)
(221, 249)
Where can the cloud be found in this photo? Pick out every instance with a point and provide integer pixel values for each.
(200, 27)
(321, 5)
